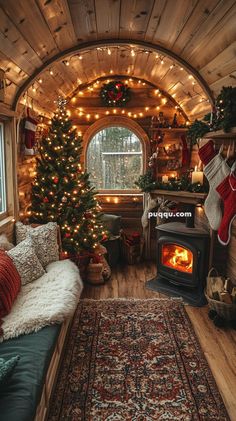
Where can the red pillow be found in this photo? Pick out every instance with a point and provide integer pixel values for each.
(10, 284)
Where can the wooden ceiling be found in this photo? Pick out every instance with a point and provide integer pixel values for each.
(201, 33)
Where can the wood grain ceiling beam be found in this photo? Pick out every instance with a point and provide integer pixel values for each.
(111, 42)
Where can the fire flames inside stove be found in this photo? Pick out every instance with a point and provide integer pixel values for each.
(177, 257)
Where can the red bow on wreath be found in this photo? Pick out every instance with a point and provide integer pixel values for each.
(114, 96)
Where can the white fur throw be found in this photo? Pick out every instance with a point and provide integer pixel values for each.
(4, 243)
(50, 299)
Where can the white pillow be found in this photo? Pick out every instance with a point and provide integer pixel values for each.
(4, 243)
(44, 239)
(21, 231)
(26, 261)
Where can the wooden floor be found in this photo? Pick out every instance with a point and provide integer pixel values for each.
(219, 345)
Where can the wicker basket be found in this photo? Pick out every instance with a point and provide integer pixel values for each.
(227, 311)
(94, 273)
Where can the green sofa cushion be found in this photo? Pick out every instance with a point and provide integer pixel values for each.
(20, 397)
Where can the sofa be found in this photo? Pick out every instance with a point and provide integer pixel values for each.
(36, 334)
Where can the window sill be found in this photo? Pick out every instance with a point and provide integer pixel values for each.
(6, 221)
(119, 193)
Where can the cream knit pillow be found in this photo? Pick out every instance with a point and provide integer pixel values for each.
(44, 239)
(26, 261)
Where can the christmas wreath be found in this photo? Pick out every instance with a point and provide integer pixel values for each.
(115, 94)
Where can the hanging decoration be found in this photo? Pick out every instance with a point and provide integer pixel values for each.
(29, 131)
(115, 94)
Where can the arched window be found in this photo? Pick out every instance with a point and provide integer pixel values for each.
(114, 159)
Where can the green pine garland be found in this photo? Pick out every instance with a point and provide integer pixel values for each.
(147, 184)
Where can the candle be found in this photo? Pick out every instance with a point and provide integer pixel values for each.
(165, 179)
(197, 176)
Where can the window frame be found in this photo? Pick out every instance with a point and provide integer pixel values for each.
(10, 155)
(4, 213)
(118, 121)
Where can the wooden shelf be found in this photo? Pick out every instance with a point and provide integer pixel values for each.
(181, 196)
(166, 129)
(221, 134)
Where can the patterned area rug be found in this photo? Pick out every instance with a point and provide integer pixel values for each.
(136, 360)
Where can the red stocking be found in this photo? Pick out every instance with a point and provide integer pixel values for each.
(207, 152)
(227, 190)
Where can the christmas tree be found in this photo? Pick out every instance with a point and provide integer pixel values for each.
(61, 191)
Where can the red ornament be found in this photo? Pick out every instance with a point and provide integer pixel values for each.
(88, 215)
(67, 235)
(55, 180)
(45, 200)
(104, 238)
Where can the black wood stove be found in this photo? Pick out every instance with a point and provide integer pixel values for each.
(182, 262)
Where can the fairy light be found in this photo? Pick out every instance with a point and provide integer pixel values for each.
(40, 80)
(51, 72)
(132, 53)
(109, 51)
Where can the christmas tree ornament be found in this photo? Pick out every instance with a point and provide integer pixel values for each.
(55, 180)
(215, 171)
(64, 199)
(227, 191)
(45, 200)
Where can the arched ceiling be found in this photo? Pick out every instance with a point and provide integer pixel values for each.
(200, 33)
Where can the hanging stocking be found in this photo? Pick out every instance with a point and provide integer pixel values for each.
(207, 152)
(151, 204)
(185, 151)
(30, 126)
(215, 171)
(227, 190)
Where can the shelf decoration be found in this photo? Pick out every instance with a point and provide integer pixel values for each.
(115, 94)
(223, 116)
(184, 183)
